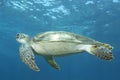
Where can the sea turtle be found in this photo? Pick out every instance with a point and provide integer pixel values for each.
(58, 43)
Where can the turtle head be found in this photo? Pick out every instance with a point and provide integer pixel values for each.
(22, 38)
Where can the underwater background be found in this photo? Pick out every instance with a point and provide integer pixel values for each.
(98, 19)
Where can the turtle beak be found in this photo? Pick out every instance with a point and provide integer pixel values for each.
(17, 35)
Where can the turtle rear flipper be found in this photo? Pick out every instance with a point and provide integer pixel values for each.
(102, 52)
(50, 59)
(52, 62)
(27, 57)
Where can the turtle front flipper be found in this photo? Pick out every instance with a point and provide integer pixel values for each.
(102, 51)
(27, 57)
(52, 62)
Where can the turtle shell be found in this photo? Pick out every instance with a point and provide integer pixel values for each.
(62, 36)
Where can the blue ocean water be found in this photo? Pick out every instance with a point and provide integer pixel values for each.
(98, 19)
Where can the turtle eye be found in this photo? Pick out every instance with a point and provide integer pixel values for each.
(22, 36)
